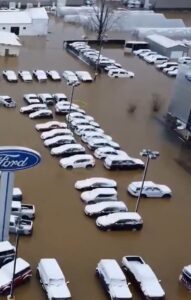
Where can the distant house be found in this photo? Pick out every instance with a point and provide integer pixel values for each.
(29, 22)
(9, 44)
(166, 46)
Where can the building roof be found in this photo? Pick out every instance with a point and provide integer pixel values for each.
(164, 41)
(22, 16)
(9, 38)
(37, 13)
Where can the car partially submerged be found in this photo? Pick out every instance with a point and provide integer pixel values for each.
(31, 98)
(32, 108)
(50, 125)
(41, 113)
(95, 182)
(7, 252)
(54, 75)
(59, 97)
(17, 194)
(78, 161)
(84, 76)
(59, 140)
(185, 276)
(10, 76)
(7, 101)
(22, 274)
(105, 208)
(22, 226)
(150, 189)
(144, 277)
(98, 195)
(68, 150)
(25, 76)
(40, 75)
(55, 132)
(25, 211)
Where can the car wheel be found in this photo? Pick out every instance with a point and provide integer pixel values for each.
(37, 274)
(166, 196)
(88, 166)
(69, 167)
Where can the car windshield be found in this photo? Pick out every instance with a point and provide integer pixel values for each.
(9, 100)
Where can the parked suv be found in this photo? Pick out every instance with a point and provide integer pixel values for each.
(113, 279)
(52, 279)
(7, 252)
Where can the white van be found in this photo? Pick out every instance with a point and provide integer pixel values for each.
(120, 73)
(113, 279)
(52, 279)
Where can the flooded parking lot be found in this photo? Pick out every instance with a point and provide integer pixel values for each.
(61, 229)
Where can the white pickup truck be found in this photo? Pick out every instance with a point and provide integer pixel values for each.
(25, 211)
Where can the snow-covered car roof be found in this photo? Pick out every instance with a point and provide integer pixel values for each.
(39, 112)
(45, 95)
(58, 138)
(17, 191)
(67, 147)
(103, 205)
(6, 245)
(89, 181)
(51, 133)
(98, 191)
(49, 124)
(114, 217)
(60, 95)
(76, 157)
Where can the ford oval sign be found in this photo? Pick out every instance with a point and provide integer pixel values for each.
(18, 158)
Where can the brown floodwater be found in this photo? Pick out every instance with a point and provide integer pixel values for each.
(61, 229)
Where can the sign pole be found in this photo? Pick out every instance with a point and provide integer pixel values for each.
(6, 195)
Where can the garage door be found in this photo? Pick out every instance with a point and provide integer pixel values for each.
(176, 54)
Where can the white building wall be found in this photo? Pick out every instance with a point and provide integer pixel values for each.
(37, 27)
(40, 27)
(13, 50)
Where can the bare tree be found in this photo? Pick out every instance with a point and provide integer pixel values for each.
(102, 19)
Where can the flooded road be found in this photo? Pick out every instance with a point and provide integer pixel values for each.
(61, 229)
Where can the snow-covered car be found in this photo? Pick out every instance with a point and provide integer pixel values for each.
(78, 122)
(78, 44)
(103, 152)
(25, 211)
(167, 64)
(59, 140)
(105, 208)
(32, 108)
(40, 75)
(25, 76)
(22, 274)
(185, 276)
(87, 128)
(184, 60)
(7, 101)
(84, 76)
(63, 108)
(98, 195)
(150, 189)
(138, 52)
(55, 132)
(52, 279)
(50, 125)
(7, 252)
(188, 76)
(86, 137)
(59, 97)
(31, 99)
(148, 53)
(173, 73)
(95, 182)
(10, 76)
(120, 73)
(156, 59)
(77, 115)
(119, 162)
(41, 113)
(46, 98)
(25, 227)
(120, 221)
(78, 161)
(111, 67)
(113, 279)
(168, 69)
(93, 144)
(143, 276)
(17, 194)
(68, 150)
(70, 77)
(54, 75)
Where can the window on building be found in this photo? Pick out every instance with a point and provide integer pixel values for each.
(24, 28)
(4, 28)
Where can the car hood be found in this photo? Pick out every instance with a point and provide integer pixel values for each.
(120, 292)
(165, 188)
(152, 289)
(4, 278)
(103, 220)
(60, 291)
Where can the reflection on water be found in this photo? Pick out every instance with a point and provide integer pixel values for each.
(61, 230)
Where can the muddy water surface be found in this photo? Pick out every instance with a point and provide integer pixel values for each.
(61, 230)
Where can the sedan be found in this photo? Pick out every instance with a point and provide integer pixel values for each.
(95, 182)
(10, 76)
(105, 208)
(63, 108)
(25, 226)
(70, 77)
(86, 137)
(173, 73)
(50, 125)
(166, 65)
(7, 101)
(84, 76)
(25, 76)
(58, 97)
(77, 115)
(103, 152)
(168, 69)
(86, 128)
(32, 108)
(55, 132)
(120, 221)
(41, 113)
(46, 98)
(68, 150)
(138, 52)
(59, 140)
(150, 189)
(99, 195)
(78, 161)
(40, 75)
(54, 75)
(97, 143)
(31, 98)
(22, 274)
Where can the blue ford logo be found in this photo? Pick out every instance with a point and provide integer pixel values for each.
(18, 158)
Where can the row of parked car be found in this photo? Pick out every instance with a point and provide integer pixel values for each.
(161, 62)
(95, 58)
(42, 76)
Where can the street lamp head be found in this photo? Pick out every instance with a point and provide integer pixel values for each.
(149, 153)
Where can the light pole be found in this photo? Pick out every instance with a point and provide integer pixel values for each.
(149, 154)
(71, 100)
(11, 295)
